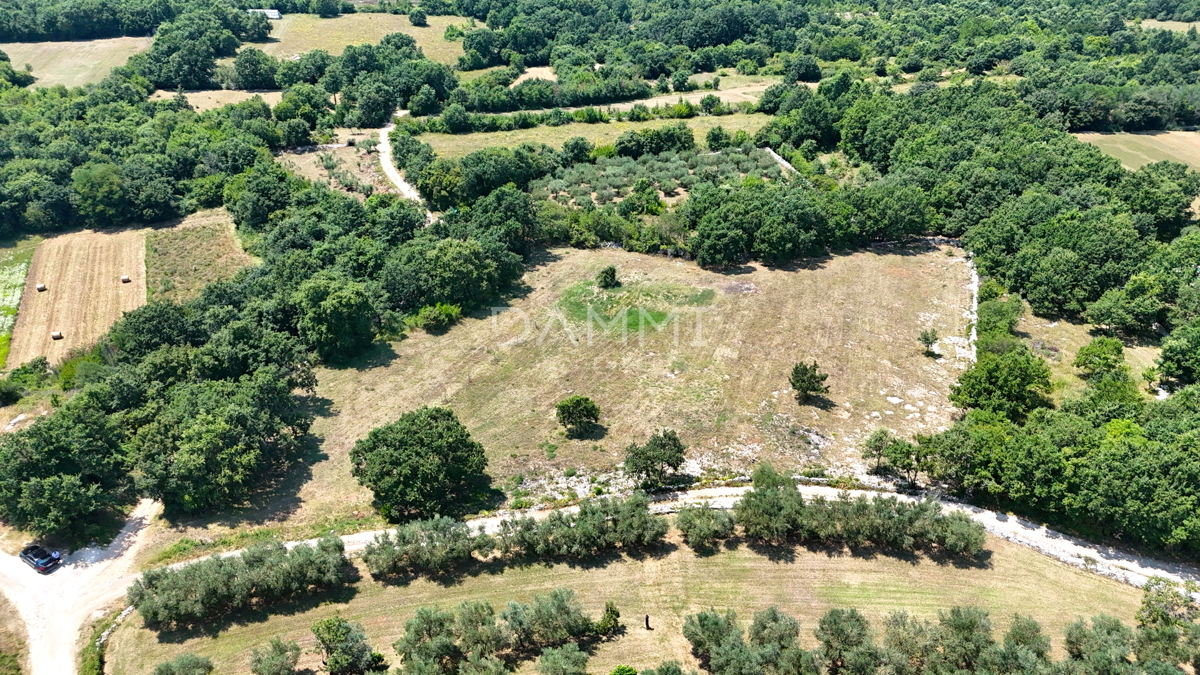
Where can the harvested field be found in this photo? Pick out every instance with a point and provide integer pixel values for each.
(458, 145)
(1181, 26)
(210, 100)
(84, 296)
(182, 260)
(298, 33)
(668, 585)
(74, 64)
(1137, 149)
(749, 93)
(723, 388)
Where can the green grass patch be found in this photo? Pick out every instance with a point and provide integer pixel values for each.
(15, 256)
(641, 304)
(187, 547)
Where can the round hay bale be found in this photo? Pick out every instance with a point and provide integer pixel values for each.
(125, 278)
(41, 287)
(56, 335)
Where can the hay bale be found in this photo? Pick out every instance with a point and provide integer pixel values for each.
(41, 287)
(56, 335)
(125, 278)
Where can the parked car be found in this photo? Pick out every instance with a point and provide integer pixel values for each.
(40, 559)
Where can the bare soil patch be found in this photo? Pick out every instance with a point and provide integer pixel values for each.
(74, 64)
(360, 167)
(537, 72)
(84, 296)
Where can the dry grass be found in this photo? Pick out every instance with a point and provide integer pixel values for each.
(668, 585)
(363, 166)
(299, 33)
(84, 296)
(210, 100)
(858, 315)
(458, 145)
(14, 658)
(182, 260)
(1068, 338)
(537, 72)
(1181, 26)
(1137, 149)
(747, 93)
(74, 64)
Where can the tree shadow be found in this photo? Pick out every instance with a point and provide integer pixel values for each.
(593, 432)
(378, 355)
(818, 401)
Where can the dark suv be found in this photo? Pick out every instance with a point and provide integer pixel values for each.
(40, 559)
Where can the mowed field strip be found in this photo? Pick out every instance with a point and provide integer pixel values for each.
(84, 296)
(1138, 149)
(73, 64)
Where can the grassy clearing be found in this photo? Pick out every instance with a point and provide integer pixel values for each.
(458, 145)
(13, 656)
(15, 256)
(1181, 26)
(1137, 149)
(1060, 341)
(182, 260)
(211, 100)
(362, 167)
(74, 64)
(722, 384)
(299, 33)
(668, 585)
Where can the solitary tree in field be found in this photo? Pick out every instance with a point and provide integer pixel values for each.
(663, 452)
(577, 413)
(928, 338)
(344, 646)
(422, 465)
(807, 381)
(279, 658)
(876, 444)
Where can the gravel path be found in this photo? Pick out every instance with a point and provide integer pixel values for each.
(57, 606)
(389, 166)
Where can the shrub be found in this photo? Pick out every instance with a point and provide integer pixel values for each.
(599, 525)
(417, 17)
(345, 647)
(435, 318)
(928, 338)
(607, 278)
(577, 413)
(1101, 355)
(10, 392)
(423, 464)
(263, 574)
(424, 546)
(703, 526)
(565, 660)
(807, 381)
(279, 658)
(186, 663)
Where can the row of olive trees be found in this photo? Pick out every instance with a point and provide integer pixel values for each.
(775, 512)
(437, 546)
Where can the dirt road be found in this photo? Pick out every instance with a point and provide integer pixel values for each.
(56, 606)
(389, 166)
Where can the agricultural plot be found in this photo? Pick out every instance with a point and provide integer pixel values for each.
(298, 33)
(669, 585)
(1137, 149)
(74, 64)
(84, 294)
(14, 264)
(723, 384)
(459, 145)
(182, 260)
(347, 168)
(672, 174)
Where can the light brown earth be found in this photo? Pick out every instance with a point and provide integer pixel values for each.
(73, 64)
(298, 33)
(1137, 149)
(537, 72)
(84, 296)
(210, 100)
